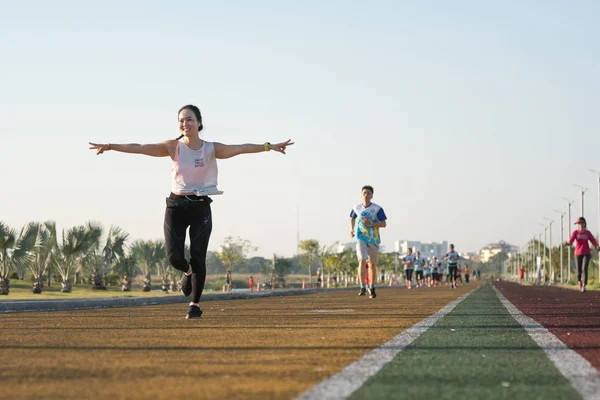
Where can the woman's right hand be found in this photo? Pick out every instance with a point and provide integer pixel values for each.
(100, 147)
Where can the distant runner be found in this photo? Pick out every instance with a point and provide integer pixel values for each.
(582, 251)
(452, 258)
(408, 261)
(419, 263)
(370, 217)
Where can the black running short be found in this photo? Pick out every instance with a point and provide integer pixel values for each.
(452, 271)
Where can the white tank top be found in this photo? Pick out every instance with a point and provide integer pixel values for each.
(195, 170)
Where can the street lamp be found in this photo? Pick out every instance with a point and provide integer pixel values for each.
(598, 173)
(545, 247)
(570, 202)
(562, 240)
(583, 190)
(550, 234)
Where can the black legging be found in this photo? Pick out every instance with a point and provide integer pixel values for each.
(193, 212)
(409, 273)
(583, 261)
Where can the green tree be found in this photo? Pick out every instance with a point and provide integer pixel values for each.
(147, 258)
(74, 245)
(43, 253)
(234, 250)
(15, 251)
(281, 267)
(309, 255)
(103, 257)
(163, 267)
(127, 269)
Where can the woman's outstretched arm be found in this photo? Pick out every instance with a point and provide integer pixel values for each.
(153, 150)
(232, 150)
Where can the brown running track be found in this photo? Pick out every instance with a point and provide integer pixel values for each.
(255, 348)
(571, 316)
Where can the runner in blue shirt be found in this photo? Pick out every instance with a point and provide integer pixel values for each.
(408, 261)
(427, 273)
(452, 258)
(419, 263)
(365, 220)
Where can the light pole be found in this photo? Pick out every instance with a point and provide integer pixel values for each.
(533, 258)
(582, 190)
(545, 248)
(562, 240)
(551, 269)
(539, 255)
(569, 202)
(598, 173)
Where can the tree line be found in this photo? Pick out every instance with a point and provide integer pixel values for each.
(90, 253)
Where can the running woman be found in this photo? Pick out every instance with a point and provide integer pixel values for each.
(370, 217)
(194, 178)
(467, 274)
(435, 271)
(408, 261)
(452, 258)
(427, 273)
(582, 251)
(419, 262)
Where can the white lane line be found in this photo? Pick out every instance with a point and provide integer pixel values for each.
(347, 381)
(579, 372)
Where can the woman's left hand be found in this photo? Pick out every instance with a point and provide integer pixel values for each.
(280, 147)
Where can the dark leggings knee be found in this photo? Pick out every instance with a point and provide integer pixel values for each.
(179, 263)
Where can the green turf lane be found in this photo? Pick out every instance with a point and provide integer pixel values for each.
(478, 351)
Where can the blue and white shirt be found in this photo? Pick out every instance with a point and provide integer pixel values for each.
(408, 261)
(419, 264)
(373, 213)
(453, 258)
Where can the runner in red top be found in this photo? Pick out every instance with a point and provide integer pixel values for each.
(581, 237)
(522, 274)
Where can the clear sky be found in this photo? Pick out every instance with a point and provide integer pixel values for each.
(470, 118)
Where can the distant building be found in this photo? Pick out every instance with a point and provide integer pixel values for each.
(492, 249)
(469, 256)
(427, 249)
(344, 246)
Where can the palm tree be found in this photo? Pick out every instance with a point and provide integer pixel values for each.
(145, 256)
(43, 253)
(93, 234)
(8, 241)
(72, 249)
(16, 251)
(103, 258)
(126, 268)
(162, 265)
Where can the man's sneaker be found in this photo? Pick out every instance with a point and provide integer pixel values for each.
(186, 284)
(363, 292)
(193, 312)
(372, 294)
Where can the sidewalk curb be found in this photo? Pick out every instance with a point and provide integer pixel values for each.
(83, 304)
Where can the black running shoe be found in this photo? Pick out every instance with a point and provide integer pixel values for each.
(186, 284)
(363, 292)
(193, 312)
(372, 294)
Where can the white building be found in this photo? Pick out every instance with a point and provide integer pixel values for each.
(427, 249)
(492, 249)
(344, 246)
